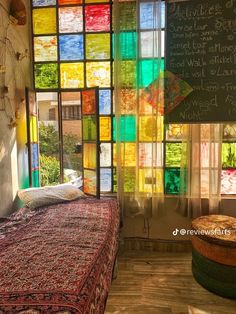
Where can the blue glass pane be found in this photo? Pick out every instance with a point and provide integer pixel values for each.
(105, 101)
(149, 15)
(105, 180)
(34, 156)
(71, 47)
(43, 3)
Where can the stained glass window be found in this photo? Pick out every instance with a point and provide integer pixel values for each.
(72, 75)
(71, 47)
(89, 156)
(229, 155)
(150, 154)
(70, 20)
(97, 46)
(150, 180)
(64, 2)
(105, 175)
(90, 182)
(127, 15)
(98, 74)
(173, 154)
(89, 129)
(46, 75)
(228, 182)
(150, 127)
(97, 18)
(149, 15)
(129, 151)
(44, 21)
(172, 181)
(45, 48)
(150, 42)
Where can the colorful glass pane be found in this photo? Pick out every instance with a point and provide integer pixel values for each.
(128, 101)
(173, 154)
(33, 129)
(172, 181)
(98, 74)
(228, 182)
(206, 161)
(90, 182)
(105, 128)
(105, 101)
(89, 102)
(105, 180)
(149, 15)
(149, 71)
(151, 43)
(150, 154)
(127, 154)
(97, 18)
(127, 45)
(70, 20)
(127, 17)
(127, 127)
(45, 48)
(43, 3)
(46, 75)
(95, 1)
(105, 155)
(150, 180)
(229, 132)
(89, 155)
(150, 128)
(89, 128)
(71, 47)
(128, 74)
(97, 46)
(175, 132)
(44, 21)
(72, 75)
(229, 155)
(129, 179)
(34, 156)
(35, 179)
(65, 2)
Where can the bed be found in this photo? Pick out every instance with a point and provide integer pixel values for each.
(58, 258)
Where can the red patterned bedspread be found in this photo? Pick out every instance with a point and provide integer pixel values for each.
(58, 259)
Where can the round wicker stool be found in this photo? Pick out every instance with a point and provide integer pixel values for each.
(214, 254)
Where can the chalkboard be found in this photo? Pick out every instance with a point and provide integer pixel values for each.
(201, 53)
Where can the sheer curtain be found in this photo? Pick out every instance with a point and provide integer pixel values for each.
(201, 170)
(138, 81)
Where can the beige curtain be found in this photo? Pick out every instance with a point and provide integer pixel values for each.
(138, 81)
(201, 169)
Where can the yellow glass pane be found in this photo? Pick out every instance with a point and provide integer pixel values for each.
(97, 46)
(98, 74)
(150, 128)
(89, 159)
(72, 75)
(44, 21)
(33, 129)
(127, 153)
(151, 180)
(105, 128)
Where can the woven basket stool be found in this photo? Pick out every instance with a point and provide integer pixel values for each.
(214, 254)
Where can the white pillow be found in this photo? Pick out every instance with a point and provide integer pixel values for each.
(48, 195)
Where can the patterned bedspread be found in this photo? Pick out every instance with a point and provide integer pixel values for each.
(58, 259)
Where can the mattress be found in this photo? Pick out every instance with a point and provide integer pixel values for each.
(59, 259)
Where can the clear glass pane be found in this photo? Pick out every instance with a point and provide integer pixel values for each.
(105, 155)
(49, 138)
(228, 182)
(70, 20)
(45, 48)
(105, 180)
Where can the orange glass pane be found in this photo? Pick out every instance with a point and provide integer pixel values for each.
(89, 102)
(64, 2)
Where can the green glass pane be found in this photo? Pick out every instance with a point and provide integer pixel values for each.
(173, 154)
(172, 181)
(128, 74)
(46, 75)
(127, 127)
(229, 155)
(98, 46)
(89, 128)
(35, 179)
(127, 15)
(149, 70)
(127, 45)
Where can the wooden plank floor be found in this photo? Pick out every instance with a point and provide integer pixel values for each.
(161, 283)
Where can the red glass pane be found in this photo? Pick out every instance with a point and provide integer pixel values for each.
(64, 2)
(97, 18)
(89, 102)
